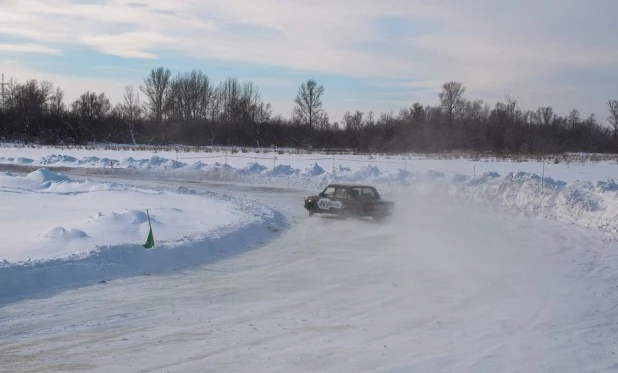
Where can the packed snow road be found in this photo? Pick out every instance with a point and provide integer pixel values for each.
(438, 288)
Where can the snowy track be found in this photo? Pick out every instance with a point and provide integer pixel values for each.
(438, 289)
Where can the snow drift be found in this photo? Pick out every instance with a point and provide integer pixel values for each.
(591, 204)
(61, 233)
(588, 204)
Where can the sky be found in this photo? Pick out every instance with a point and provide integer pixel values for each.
(370, 55)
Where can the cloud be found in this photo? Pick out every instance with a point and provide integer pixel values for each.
(492, 46)
(273, 82)
(485, 42)
(28, 48)
(72, 86)
(128, 44)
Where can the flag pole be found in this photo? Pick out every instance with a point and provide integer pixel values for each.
(150, 240)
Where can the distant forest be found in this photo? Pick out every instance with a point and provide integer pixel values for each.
(190, 109)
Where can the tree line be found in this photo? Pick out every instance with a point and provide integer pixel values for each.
(190, 109)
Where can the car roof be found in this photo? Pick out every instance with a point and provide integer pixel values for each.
(350, 186)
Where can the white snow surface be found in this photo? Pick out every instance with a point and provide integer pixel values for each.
(442, 287)
(583, 194)
(60, 232)
(452, 283)
(98, 156)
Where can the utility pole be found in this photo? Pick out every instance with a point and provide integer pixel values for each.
(3, 98)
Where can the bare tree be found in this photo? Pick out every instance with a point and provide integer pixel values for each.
(546, 116)
(230, 92)
(354, 125)
(613, 116)
(189, 96)
(90, 109)
(131, 110)
(28, 104)
(451, 98)
(574, 118)
(56, 103)
(309, 102)
(214, 114)
(155, 87)
(92, 106)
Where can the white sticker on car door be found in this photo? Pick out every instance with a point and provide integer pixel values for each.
(326, 204)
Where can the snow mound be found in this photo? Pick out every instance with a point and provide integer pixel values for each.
(18, 160)
(129, 217)
(57, 158)
(393, 177)
(586, 204)
(60, 232)
(366, 172)
(154, 162)
(220, 169)
(96, 161)
(44, 175)
(253, 168)
(194, 167)
(341, 170)
(606, 186)
(313, 170)
(22, 160)
(283, 170)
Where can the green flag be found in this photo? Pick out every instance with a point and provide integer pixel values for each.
(150, 240)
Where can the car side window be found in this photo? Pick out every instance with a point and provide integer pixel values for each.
(368, 193)
(341, 193)
(329, 192)
(356, 192)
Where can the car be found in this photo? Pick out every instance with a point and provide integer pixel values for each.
(349, 200)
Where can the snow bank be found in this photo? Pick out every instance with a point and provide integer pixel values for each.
(44, 180)
(313, 170)
(154, 162)
(44, 175)
(60, 233)
(18, 160)
(588, 203)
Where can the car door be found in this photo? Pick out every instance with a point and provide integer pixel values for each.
(340, 199)
(326, 198)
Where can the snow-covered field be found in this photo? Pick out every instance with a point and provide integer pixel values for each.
(274, 164)
(485, 267)
(584, 194)
(59, 232)
(441, 288)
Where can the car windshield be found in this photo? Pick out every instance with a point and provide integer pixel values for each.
(329, 192)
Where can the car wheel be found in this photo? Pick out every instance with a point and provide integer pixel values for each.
(346, 213)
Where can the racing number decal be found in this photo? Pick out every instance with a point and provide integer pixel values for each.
(326, 204)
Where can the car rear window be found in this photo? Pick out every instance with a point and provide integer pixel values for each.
(368, 193)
